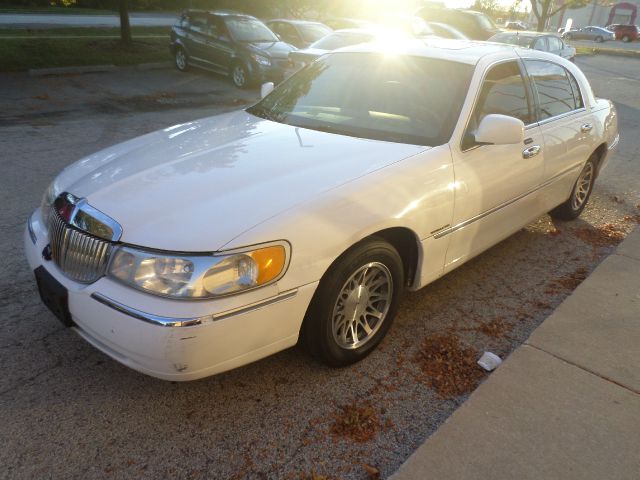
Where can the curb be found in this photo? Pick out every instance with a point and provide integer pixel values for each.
(79, 70)
(612, 52)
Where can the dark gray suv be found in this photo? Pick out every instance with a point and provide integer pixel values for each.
(230, 43)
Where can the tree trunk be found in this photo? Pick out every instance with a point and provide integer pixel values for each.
(125, 28)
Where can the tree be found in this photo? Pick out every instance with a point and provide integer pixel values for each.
(543, 10)
(125, 28)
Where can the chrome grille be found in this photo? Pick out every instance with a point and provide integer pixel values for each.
(80, 256)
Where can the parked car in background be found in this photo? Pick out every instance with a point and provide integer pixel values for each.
(343, 23)
(446, 31)
(299, 33)
(597, 34)
(517, 25)
(545, 42)
(230, 43)
(333, 41)
(475, 25)
(217, 242)
(626, 33)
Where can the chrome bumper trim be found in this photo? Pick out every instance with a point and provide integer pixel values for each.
(190, 321)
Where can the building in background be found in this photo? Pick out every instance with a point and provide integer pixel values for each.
(596, 13)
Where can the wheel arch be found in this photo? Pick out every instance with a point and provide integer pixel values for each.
(600, 153)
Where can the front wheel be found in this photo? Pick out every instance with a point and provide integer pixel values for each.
(599, 39)
(355, 304)
(240, 75)
(626, 38)
(573, 207)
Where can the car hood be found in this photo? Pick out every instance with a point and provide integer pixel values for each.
(273, 49)
(196, 186)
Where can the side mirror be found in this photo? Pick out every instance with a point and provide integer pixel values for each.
(265, 89)
(497, 129)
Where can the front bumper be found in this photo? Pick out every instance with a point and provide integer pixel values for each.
(176, 340)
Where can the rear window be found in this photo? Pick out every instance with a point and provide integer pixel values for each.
(555, 93)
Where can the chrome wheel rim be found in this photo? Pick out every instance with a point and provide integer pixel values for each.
(583, 186)
(238, 75)
(181, 59)
(362, 305)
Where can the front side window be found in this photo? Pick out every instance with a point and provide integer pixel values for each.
(541, 44)
(395, 98)
(312, 33)
(554, 44)
(555, 95)
(339, 40)
(504, 93)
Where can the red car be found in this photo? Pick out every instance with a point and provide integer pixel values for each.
(626, 33)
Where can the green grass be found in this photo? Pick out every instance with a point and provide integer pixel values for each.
(80, 31)
(19, 54)
(56, 10)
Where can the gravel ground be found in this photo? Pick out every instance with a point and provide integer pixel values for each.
(68, 411)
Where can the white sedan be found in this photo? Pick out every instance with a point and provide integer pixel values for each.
(211, 244)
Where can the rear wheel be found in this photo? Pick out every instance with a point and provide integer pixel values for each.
(181, 59)
(355, 304)
(573, 207)
(626, 38)
(599, 39)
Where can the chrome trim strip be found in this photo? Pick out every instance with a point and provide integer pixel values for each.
(32, 233)
(503, 205)
(562, 115)
(615, 142)
(162, 321)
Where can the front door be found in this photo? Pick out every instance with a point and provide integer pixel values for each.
(495, 184)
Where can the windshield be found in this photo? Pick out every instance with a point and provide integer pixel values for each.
(249, 30)
(311, 33)
(485, 22)
(395, 98)
(339, 40)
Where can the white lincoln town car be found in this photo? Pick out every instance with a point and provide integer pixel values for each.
(211, 244)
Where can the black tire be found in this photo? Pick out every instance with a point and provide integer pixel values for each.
(573, 207)
(599, 39)
(181, 59)
(240, 75)
(626, 38)
(320, 333)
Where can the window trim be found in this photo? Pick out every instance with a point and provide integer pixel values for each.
(535, 92)
(528, 89)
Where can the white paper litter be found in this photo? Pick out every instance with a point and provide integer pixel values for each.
(489, 361)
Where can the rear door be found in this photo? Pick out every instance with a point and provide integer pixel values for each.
(495, 184)
(566, 125)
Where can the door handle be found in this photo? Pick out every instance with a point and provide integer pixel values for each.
(531, 151)
(586, 127)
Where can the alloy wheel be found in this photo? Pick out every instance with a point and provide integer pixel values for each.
(239, 77)
(583, 186)
(362, 305)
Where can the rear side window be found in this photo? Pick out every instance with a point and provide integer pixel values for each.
(555, 94)
(577, 95)
(503, 92)
(541, 44)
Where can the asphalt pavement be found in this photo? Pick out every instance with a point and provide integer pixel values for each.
(68, 411)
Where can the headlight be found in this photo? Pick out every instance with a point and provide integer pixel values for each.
(199, 276)
(50, 194)
(261, 60)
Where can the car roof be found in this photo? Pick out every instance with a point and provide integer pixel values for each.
(527, 34)
(220, 13)
(462, 51)
(295, 22)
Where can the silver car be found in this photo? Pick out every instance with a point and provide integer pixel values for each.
(597, 34)
(544, 42)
